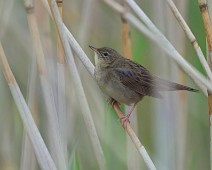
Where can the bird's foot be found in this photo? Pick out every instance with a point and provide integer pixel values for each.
(112, 101)
(125, 120)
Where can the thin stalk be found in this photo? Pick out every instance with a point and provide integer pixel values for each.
(54, 131)
(208, 30)
(126, 42)
(77, 83)
(181, 117)
(42, 154)
(210, 64)
(62, 115)
(191, 37)
(166, 110)
(79, 51)
(160, 111)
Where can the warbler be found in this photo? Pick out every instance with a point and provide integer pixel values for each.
(126, 81)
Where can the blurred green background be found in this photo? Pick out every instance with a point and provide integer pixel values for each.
(174, 130)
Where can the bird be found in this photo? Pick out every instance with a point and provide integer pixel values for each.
(126, 81)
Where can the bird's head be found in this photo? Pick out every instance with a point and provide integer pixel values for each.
(104, 56)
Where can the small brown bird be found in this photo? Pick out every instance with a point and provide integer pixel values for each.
(126, 81)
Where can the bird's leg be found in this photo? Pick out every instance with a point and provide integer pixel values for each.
(125, 118)
(112, 101)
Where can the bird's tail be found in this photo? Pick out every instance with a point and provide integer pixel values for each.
(165, 85)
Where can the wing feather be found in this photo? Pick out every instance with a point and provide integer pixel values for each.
(141, 82)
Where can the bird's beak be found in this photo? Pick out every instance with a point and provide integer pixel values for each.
(93, 48)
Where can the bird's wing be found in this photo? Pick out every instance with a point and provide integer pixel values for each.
(139, 80)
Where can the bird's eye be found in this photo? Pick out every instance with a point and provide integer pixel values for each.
(105, 54)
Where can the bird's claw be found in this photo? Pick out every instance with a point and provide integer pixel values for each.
(125, 120)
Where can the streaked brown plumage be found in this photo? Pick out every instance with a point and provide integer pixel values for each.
(127, 81)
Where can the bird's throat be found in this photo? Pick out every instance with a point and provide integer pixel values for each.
(96, 59)
(99, 63)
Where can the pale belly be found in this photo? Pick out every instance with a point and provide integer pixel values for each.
(117, 91)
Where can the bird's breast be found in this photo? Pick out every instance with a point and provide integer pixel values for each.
(112, 86)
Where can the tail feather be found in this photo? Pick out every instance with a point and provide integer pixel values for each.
(165, 85)
(182, 87)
